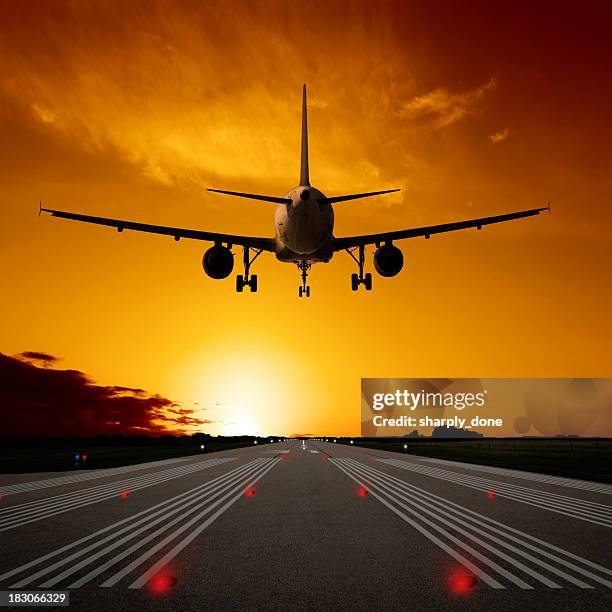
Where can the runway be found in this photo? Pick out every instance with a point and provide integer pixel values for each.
(308, 525)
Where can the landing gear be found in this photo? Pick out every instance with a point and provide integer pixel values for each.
(247, 280)
(304, 267)
(361, 278)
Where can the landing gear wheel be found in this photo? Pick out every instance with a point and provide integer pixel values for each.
(304, 267)
(246, 279)
(360, 278)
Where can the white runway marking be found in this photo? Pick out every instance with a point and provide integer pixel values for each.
(452, 526)
(87, 475)
(143, 528)
(276, 452)
(587, 485)
(28, 512)
(314, 451)
(592, 512)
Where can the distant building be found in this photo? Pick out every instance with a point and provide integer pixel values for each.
(455, 432)
(413, 434)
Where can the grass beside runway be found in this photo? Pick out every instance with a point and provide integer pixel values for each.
(586, 459)
(18, 455)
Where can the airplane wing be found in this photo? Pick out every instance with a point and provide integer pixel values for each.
(353, 241)
(267, 244)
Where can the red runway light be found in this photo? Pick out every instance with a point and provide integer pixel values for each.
(490, 494)
(461, 582)
(250, 492)
(284, 458)
(362, 491)
(162, 582)
(324, 457)
(124, 495)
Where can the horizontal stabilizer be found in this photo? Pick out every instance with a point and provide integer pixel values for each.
(254, 196)
(355, 196)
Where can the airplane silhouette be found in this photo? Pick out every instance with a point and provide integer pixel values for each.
(304, 221)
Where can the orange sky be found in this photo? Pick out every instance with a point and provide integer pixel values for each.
(129, 109)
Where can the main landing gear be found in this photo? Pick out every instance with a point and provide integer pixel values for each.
(304, 267)
(247, 280)
(361, 278)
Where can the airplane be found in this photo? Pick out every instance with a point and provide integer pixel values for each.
(304, 221)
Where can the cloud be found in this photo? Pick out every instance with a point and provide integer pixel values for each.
(499, 136)
(301, 435)
(38, 356)
(42, 401)
(443, 108)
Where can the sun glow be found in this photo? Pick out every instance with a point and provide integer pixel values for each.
(240, 393)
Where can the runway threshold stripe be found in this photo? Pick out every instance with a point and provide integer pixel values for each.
(419, 512)
(50, 502)
(492, 582)
(162, 511)
(459, 526)
(523, 536)
(234, 495)
(592, 512)
(446, 512)
(586, 485)
(23, 514)
(166, 525)
(34, 485)
(586, 504)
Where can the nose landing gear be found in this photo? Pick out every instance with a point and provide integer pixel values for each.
(361, 278)
(304, 267)
(247, 280)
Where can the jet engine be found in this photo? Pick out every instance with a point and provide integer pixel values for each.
(388, 260)
(218, 262)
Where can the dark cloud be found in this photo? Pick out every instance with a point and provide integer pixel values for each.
(39, 400)
(38, 356)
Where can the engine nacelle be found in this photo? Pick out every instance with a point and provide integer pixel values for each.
(388, 260)
(218, 262)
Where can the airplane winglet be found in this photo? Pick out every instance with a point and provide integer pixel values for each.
(548, 208)
(39, 207)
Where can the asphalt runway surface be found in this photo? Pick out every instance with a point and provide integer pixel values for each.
(308, 526)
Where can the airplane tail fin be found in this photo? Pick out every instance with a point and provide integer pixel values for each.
(304, 176)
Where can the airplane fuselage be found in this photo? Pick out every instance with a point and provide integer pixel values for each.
(304, 228)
